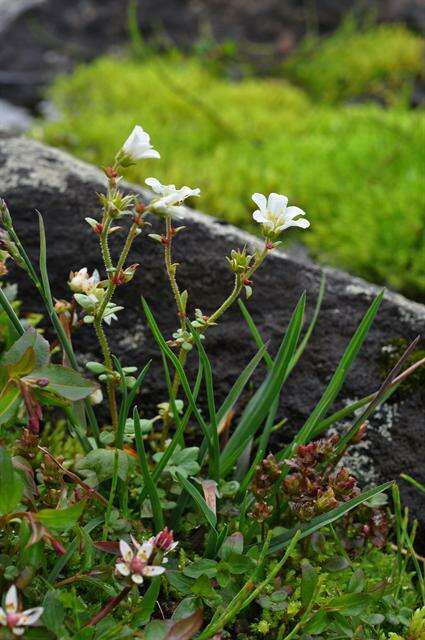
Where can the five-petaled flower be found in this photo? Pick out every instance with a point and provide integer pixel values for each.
(275, 215)
(136, 562)
(138, 145)
(168, 199)
(16, 620)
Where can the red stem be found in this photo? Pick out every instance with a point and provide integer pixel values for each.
(109, 606)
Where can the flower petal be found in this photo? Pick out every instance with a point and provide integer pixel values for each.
(151, 571)
(18, 631)
(276, 203)
(145, 551)
(260, 200)
(30, 616)
(122, 568)
(292, 212)
(259, 216)
(2, 617)
(302, 222)
(151, 153)
(137, 578)
(155, 185)
(11, 600)
(126, 551)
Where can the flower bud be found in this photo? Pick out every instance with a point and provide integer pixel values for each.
(165, 540)
(239, 261)
(5, 217)
(326, 500)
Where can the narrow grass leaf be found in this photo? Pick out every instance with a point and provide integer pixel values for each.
(209, 515)
(147, 478)
(281, 541)
(260, 403)
(336, 381)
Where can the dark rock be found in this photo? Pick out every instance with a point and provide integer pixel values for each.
(33, 177)
(41, 38)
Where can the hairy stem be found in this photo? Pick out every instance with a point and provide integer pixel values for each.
(171, 272)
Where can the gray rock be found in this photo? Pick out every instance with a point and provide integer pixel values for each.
(13, 120)
(33, 176)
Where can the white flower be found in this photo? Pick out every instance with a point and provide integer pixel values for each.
(169, 198)
(274, 214)
(81, 282)
(135, 562)
(96, 397)
(16, 620)
(138, 145)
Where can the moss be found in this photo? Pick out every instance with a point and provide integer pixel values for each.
(391, 354)
(381, 62)
(356, 170)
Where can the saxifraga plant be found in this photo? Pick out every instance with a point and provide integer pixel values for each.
(248, 522)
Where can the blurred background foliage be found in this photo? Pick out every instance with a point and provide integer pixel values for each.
(333, 127)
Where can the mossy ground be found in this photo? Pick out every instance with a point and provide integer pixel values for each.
(356, 169)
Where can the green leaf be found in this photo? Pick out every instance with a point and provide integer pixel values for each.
(43, 262)
(357, 582)
(11, 485)
(232, 545)
(54, 612)
(143, 614)
(309, 580)
(349, 604)
(209, 515)
(66, 382)
(184, 461)
(30, 339)
(318, 623)
(186, 628)
(240, 384)
(61, 519)
(9, 399)
(281, 541)
(98, 465)
(203, 567)
(147, 478)
(260, 403)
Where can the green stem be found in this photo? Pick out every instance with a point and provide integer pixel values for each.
(171, 272)
(107, 360)
(237, 287)
(10, 312)
(247, 595)
(101, 336)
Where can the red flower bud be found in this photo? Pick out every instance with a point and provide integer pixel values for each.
(164, 540)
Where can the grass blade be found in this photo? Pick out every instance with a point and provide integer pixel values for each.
(260, 403)
(147, 478)
(165, 349)
(378, 397)
(336, 381)
(214, 460)
(209, 515)
(10, 312)
(279, 542)
(418, 485)
(240, 384)
(43, 261)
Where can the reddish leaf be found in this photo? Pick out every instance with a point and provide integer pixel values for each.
(186, 628)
